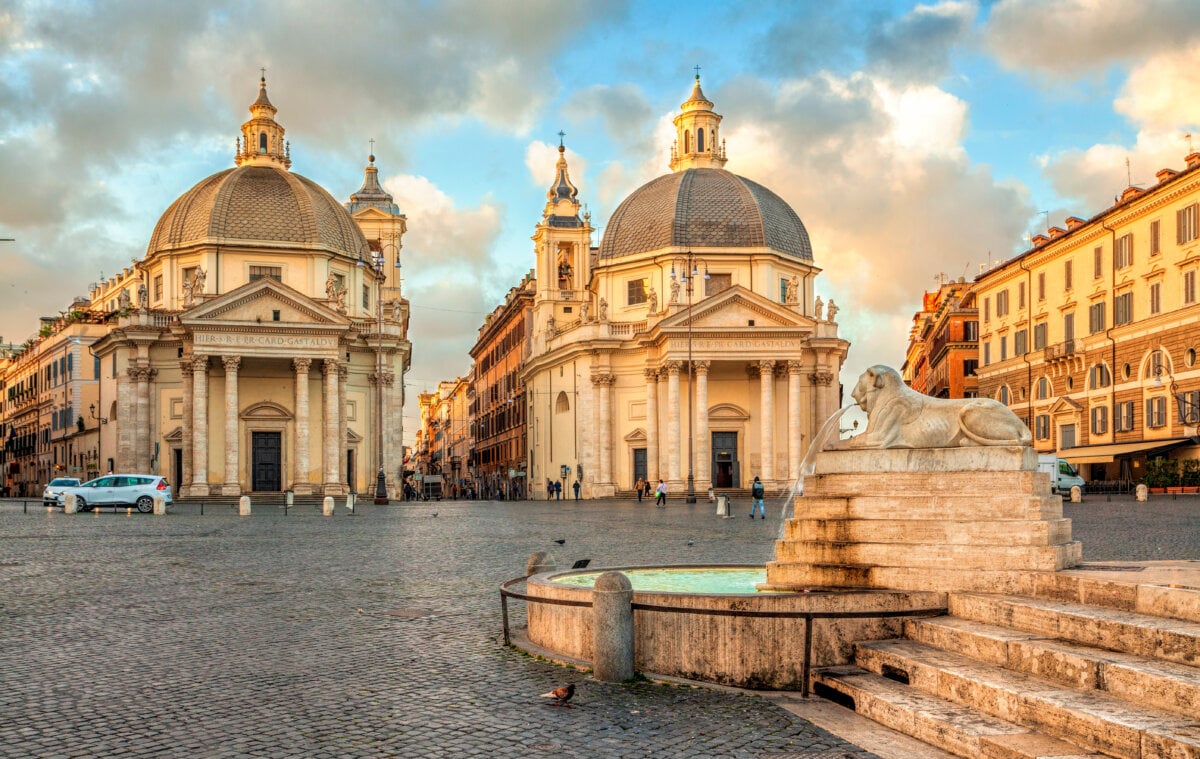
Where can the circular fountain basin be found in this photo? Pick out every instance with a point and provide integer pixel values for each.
(699, 640)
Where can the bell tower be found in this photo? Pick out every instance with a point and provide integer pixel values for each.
(698, 143)
(262, 140)
(562, 243)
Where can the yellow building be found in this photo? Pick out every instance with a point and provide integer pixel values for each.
(261, 343)
(691, 343)
(1091, 337)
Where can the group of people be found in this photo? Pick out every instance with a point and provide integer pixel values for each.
(758, 494)
(554, 489)
(642, 486)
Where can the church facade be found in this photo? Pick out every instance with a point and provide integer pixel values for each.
(691, 345)
(261, 343)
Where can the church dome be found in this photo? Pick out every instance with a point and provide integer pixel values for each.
(704, 208)
(258, 204)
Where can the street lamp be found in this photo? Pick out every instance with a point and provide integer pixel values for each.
(1189, 412)
(690, 263)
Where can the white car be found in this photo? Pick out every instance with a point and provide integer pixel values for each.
(52, 493)
(120, 490)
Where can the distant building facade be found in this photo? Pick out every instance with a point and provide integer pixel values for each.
(943, 344)
(1090, 335)
(498, 405)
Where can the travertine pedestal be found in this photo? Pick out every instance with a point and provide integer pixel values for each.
(941, 519)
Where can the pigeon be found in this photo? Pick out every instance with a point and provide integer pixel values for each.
(561, 695)
(691, 542)
(560, 541)
(435, 513)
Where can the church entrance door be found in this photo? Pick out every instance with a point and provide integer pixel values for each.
(265, 461)
(639, 465)
(725, 462)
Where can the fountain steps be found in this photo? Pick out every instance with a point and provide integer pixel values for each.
(925, 504)
(1011, 532)
(977, 556)
(1108, 681)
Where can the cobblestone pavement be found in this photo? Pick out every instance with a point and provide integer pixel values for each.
(365, 636)
(1118, 528)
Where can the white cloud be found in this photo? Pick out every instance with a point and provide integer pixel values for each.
(541, 159)
(1163, 93)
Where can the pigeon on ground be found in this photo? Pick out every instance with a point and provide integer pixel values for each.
(435, 513)
(561, 695)
(560, 541)
(691, 542)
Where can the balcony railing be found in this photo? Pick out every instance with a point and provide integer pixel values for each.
(1062, 350)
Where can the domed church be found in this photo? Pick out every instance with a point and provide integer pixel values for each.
(261, 343)
(690, 344)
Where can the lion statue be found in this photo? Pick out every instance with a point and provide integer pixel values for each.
(900, 417)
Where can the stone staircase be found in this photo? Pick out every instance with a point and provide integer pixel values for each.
(1010, 677)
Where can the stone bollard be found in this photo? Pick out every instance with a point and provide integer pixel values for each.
(327, 506)
(1142, 493)
(160, 505)
(69, 503)
(244, 506)
(539, 562)
(612, 628)
(1076, 494)
(351, 498)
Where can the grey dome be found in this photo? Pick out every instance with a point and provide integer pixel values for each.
(704, 208)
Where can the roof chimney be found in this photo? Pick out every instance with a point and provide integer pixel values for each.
(1074, 222)
(1165, 174)
(1193, 160)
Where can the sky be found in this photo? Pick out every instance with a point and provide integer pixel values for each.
(914, 140)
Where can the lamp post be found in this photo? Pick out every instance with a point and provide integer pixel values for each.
(690, 264)
(1189, 412)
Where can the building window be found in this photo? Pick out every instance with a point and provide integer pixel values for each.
(717, 283)
(987, 310)
(1156, 411)
(971, 331)
(366, 299)
(1066, 275)
(1044, 388)
(635, 291)
(1002, 303)
(1097, 263)
(1041, 280)
(1124, 254)
(1189, 286)
(1188, 404)
(1187, 224)
(1099, 377)
(1124, 416)
(1100, 420)
(1155, 298)
(1096, 318)
(1068, 327)
(1123, 309)
(970, 366)
(699, 140)
(562, 404)
(158, 289)
(262, 142)
(1042, 425)
(987, 353)
(1003, 347)
(1039, 336)
(1020, 295)
(1156, 363)
(1066, 436)
(783, 283)
(1004, 395)
(272, 272)
(1020, 342)
(1155, 239)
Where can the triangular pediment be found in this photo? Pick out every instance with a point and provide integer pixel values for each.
(1065, 405)
(372, 213)
(637, 436)
(257, 302)
(737, 307)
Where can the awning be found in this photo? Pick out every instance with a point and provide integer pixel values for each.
(1102, 454)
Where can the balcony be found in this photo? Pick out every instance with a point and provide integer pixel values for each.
(1062, 350)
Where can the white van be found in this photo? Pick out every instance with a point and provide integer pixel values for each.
(1063, 476)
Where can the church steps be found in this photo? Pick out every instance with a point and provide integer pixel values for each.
(1144, 680)
(1099, 721)
(1112, 629)
(906, 531)
(952, 727)
(952, 505)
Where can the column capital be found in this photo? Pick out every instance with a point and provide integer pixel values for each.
(673, 367)
(766, 366)
(343, 372)
(821, 378)
(185, 366)
(200, 363)
(135, 373)
(231, 363)
(150, 373)
(604, 379)
(651, 375)
(330, 365)
(701, 367)
(301, 365)
(795, 367)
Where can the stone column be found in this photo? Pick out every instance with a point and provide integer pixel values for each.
(200, 426)
(673, 426)
(331, 425)
(766, 376)
(652, 424)
(141, 405)
(185, 476)
(604, 478)
(703, 439)
(300, 477)
(795, 437)
(232, 484)
(389, 421)
(822, 380)
(343, 376)
(126, 421)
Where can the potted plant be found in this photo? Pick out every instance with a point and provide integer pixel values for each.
(1161, 474)
(1189, 475)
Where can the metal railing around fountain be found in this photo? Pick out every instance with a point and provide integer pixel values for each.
(807, 616)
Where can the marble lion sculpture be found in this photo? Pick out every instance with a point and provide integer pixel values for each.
(900, 417)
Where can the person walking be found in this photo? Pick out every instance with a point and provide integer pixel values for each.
(639, 487)
(558, 490)
(757, 491)
(575, 487)
(660, 497)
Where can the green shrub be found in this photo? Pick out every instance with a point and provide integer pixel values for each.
(1189, 473)
(1161, 473)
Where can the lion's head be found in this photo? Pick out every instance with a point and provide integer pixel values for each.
(874, 380)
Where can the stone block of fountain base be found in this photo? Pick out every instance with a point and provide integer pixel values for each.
(943, 519)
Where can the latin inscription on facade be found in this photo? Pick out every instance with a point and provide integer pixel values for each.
(266, 341)
(734, 344)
